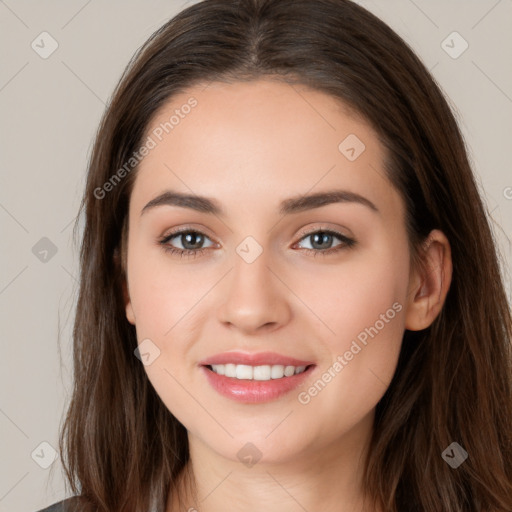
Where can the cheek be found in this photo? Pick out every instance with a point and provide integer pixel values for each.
(361, 301)
(162, 292)
(163, 296)
(364, 306)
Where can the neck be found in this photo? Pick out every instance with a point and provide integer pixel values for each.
(327, 478)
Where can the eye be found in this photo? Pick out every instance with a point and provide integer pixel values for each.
(191, 242)
(321, 242)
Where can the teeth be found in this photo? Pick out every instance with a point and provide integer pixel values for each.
(243, 371)
(222, 369)
(265, 372)
(289, 371)
(229, 369)
(277, 371)
(261, 373)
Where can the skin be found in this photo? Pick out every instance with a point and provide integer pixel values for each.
(249, 146)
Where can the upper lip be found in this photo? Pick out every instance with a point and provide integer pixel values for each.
(254, 359)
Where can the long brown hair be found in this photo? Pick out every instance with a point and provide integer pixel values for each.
(122, 449)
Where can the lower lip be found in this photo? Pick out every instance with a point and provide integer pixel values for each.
(254, 391)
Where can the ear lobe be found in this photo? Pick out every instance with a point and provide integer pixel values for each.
(431, 283)
(130, 316)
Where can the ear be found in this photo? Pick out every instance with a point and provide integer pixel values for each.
(124, 288)
(130, 315)
(429, 284)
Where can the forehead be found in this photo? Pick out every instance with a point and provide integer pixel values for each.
(256, 112)
(261, 138)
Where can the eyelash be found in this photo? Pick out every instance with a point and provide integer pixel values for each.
(347, 243)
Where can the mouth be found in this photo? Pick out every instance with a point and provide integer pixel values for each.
(260, 373)
(255, 378)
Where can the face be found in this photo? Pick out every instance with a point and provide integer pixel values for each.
(291, 275)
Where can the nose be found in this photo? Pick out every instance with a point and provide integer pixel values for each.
(254, 298)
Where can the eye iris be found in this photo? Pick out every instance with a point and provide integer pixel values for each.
(319, 238)
(194, 239)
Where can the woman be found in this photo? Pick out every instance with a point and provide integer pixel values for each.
(222, 353)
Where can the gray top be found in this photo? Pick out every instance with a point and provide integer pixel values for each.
(66, 505)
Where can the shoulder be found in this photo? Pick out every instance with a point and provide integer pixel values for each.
(67, 505)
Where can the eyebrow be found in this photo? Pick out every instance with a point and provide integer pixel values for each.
(288, 206)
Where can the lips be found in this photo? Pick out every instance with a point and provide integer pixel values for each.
(258, 359)
(253, 384)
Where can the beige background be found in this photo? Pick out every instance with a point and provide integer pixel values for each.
(50, 111)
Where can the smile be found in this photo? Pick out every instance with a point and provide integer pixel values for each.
(262, 373)
(255, 377)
